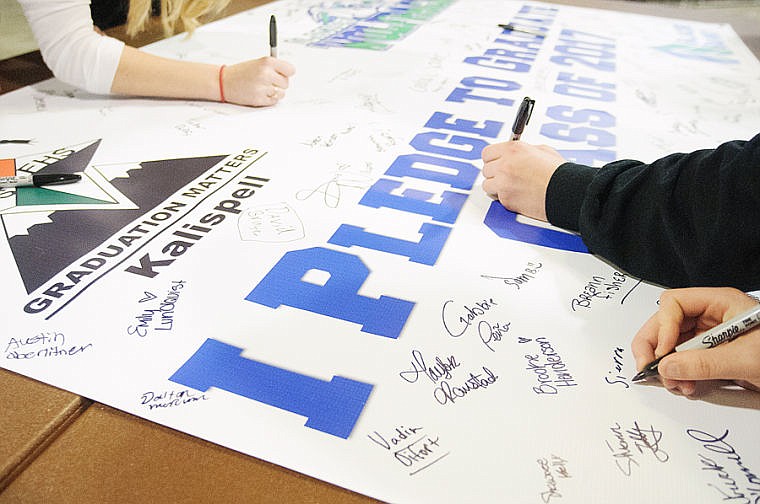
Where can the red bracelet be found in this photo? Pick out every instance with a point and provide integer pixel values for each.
(221, 84)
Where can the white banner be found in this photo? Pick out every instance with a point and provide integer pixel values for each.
(324, 285)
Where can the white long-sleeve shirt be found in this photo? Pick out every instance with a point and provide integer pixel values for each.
(70, 47)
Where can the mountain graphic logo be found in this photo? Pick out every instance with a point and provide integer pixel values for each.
(48, 228)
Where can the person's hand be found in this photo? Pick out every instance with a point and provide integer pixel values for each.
(517, 174)
(684, 313)
(260, 82)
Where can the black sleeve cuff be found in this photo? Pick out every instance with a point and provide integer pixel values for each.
(565, 194)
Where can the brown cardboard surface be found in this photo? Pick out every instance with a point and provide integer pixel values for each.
(107, 456)
(33, 414)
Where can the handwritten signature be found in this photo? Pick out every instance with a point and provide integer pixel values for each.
(332, 190)
(41, 346)
(617, 377)
(729, 488)
(441, 369)
(466, 319)
(633, 442)
(528, 274)
(491, 333)
(553, 469)
(420, 453)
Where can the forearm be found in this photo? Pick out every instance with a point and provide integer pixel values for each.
(686, 219)
(143, 74)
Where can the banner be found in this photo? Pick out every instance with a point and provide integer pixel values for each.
(324, 285)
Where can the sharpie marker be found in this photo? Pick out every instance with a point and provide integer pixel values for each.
(511, 27)
(523, 116)
(721, 333)
(272, 36)
(27, 179)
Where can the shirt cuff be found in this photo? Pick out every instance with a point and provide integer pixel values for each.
(565, 194)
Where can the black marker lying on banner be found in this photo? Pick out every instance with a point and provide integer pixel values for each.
(43, 179)
(511, 27)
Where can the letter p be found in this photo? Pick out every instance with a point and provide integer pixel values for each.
(338, 297)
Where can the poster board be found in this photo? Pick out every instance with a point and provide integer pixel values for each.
(325, 286)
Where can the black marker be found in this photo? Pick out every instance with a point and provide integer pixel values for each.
(15, 141)
(523, 116)
(272, 36)
(511, 27)
(27, 179)
(721, 333)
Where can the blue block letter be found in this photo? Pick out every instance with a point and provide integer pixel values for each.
(337, 298)
(332, 407)
(426, 251)
(504, 223)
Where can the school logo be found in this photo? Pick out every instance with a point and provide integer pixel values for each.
(48, 228)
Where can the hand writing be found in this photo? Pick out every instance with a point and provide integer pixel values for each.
(684, 313)
(260, 82)
(517, 174)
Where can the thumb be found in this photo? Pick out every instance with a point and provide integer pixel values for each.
(704, 364)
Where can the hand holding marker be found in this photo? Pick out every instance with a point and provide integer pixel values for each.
(523, 116)
(721, 333)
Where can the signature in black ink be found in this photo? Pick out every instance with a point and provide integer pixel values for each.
(373, 103)
(41, 346)
(617, 363)
(160, 318)
(648, 440)
(635, 439)
(529, 273)
(170, 399)
(382, 141)
(423, 450)
(491, 333)
(730, 489)
(331, 190)
(624, 457)
(559, 467)
(445, 393)
(465, 320)
(318, 141)
(43, 338)
(401, 434)
(441, 369)
(550, 371)
(597, 288)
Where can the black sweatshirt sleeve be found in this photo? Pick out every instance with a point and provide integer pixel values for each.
(683, 220)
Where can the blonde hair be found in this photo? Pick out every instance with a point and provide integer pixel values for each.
(185, 11)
